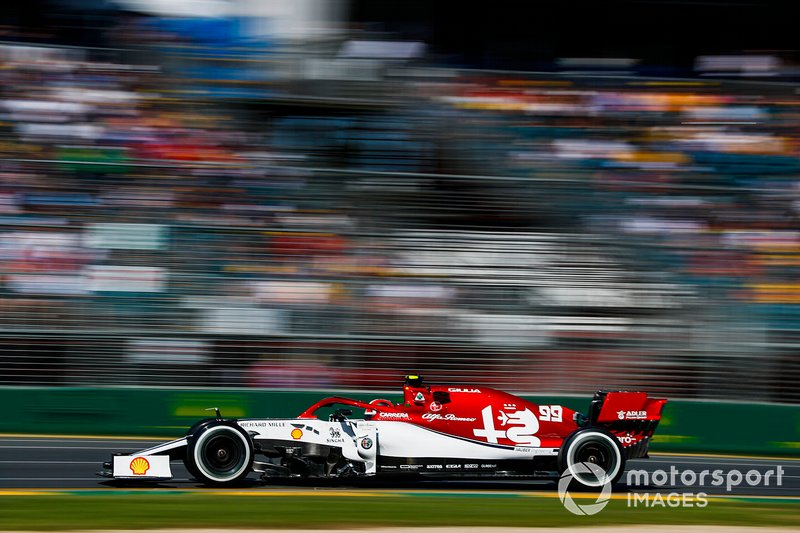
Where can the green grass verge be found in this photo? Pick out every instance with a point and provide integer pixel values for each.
(196, 510)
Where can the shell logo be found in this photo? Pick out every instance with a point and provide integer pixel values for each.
(140, 466)
(297, 434)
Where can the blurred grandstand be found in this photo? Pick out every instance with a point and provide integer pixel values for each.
(309, 218)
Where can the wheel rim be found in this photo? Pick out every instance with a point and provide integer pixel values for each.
(222, 455)
(596, 454)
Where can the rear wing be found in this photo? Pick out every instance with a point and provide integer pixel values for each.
(615, 406)
(631, 416)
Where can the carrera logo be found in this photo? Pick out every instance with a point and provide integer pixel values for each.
(631, 415)
(392, 416)
(459, 389)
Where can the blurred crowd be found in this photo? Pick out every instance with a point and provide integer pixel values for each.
(530, 232)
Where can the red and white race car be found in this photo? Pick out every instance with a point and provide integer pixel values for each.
(438, 430)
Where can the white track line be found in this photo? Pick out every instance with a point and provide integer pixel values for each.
(47, 479)
(91, 441)
(64, 447)
(785, 464)
(49, 462)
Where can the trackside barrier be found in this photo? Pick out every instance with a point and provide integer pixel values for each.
(687, 426)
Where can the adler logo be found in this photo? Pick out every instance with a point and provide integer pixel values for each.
(459, 389)
(631, 415)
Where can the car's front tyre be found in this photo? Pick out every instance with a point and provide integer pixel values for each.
(220, 453)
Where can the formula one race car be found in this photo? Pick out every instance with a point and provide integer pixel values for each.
(438, 430)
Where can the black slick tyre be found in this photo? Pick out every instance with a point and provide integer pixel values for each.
(219, 453)
(585, 450)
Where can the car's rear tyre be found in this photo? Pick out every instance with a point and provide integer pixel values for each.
(586, 449)
(219, 453)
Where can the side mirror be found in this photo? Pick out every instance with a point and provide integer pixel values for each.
(340, 415)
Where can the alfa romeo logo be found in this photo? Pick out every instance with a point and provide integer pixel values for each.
(566, 498)
(366, 443)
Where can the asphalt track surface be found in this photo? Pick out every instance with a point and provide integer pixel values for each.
(61, 462)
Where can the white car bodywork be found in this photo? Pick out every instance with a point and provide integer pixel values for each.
(362, 441)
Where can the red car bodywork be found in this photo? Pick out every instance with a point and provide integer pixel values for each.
(491, 416)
